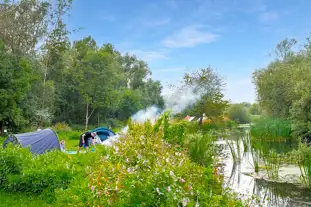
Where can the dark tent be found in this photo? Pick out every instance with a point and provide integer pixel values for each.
(39, 141)
(103, 133)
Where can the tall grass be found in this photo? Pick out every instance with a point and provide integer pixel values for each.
(302, 157)
(201, 148)
(271, 129)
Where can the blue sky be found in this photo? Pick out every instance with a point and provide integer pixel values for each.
(234, 37)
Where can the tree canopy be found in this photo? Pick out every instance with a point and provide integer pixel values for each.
(47, 78)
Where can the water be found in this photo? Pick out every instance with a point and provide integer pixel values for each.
(241, 178)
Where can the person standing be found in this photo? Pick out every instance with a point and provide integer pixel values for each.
(84, 140)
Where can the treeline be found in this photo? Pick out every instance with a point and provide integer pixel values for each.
(46, 78)
(284, 86)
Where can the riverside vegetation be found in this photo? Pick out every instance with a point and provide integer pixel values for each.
(144, 168)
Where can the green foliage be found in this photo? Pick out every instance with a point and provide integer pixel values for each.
(69, 135)
(40, 175)
(62, 126)
(283, 87)
(207, 84)
(21, 200)
(238, 113)
(254, 109)
(201, 148)
(15, 80)
(142, 169)
(302, 157)
(271, 129)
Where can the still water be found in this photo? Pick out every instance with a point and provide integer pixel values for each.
(240, 178)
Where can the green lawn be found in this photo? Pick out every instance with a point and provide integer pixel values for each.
(20, 200)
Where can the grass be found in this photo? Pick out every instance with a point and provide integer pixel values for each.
(302, 157)
(21, 200)
(271, 129)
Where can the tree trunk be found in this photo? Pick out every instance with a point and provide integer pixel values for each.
(86, 116)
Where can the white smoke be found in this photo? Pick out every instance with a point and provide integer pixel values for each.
(151, 113)
(175, 102)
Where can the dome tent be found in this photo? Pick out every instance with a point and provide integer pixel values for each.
(39, 141)
(103, 133)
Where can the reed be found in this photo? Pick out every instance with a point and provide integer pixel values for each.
(271, 129)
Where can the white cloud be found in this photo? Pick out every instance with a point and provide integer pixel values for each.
(188, 37)
(150, 55)
(155, 22)
(268, 17)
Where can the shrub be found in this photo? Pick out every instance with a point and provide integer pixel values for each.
(12, 160)
(238, 113)
(201, 148)
(21, 171)
(141, 169)
(62, 127)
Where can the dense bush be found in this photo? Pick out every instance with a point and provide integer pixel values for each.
(238, 113)
(61, 126)
(21, 171)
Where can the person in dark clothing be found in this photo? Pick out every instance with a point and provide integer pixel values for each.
(84, 140)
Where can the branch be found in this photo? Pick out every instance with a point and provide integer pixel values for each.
(91, 113)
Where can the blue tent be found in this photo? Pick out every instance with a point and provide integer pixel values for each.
(103, 133)
(39, 141)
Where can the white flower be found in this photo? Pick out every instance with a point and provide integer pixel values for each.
(171, 173)
(185, 201)
(158, 191)
(168, 189)
(197, 204)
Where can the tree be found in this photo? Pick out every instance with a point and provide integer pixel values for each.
(238, 113)
(22, 24)
(283, 87)
(208, 85)
(254, 109)
(15, 80)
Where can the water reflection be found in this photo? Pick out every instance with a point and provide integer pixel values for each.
(238, 177)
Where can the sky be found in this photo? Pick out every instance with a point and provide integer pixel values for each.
(234, 37)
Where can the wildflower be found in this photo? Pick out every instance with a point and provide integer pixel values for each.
(182, 180)
(127, 160)
(93, 187)
(158, 191)
(171, 173)
(185, 201)
(197, 204)
(168, 189)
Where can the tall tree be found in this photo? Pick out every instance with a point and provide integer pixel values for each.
(15, 81)
(208, 85)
